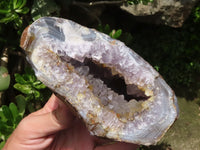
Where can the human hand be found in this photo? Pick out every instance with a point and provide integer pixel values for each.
(54, 127)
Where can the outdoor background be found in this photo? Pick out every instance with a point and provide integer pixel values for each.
(170, 43)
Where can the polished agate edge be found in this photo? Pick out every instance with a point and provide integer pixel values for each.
(49, 39)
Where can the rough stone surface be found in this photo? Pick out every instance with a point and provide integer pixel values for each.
(169, 12)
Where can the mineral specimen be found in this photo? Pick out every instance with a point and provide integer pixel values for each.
(117, 93)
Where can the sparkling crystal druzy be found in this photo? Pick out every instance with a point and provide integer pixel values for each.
(116, 92)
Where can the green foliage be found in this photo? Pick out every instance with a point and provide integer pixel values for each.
(197, 14)
(115, 34)
(28, 84)
(42, 8)
(175, 54)
(12, 22)
(156, 67)
(10, 116)
(4, 78)
(32, 88)
(10, 11)
(175, 57)
(126, 37)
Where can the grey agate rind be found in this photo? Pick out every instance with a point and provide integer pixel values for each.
(51, 43)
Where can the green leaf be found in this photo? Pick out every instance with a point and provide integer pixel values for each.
(106, 29)
(1, 136)
(6, 130)
(29, 75)
(7, 113)
(24, 10)
(100, 27)
(4, 78)
(17, 120)
(2, 144)
(2, 11)
(14, 110)
(3, 126)
(14, 3)
(18, 22)
(24, 88)
(157, 68)
(39, 85)
(29, 78)
(42, 8)
(36, 94)
(21, 104)
(10, 17)
(117, 34)
(23, 4)
(20, 79)
(29, 98)
(114, 34)
(31, 107)
(2, 117)
(17, 4)
(26, 78)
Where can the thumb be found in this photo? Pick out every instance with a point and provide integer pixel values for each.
(53, 117)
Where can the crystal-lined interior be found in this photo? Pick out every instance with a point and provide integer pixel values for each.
(109, 86)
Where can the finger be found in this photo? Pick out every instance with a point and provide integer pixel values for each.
(118, 146)
(50, 106)
(77, 137)
(52, 118)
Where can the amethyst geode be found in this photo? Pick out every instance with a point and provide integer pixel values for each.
(117, 93)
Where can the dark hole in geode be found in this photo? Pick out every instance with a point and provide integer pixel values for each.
(115, 82)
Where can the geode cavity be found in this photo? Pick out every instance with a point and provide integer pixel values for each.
(116, 92)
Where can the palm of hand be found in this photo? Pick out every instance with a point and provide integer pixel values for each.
(54, 127)
(78, 138)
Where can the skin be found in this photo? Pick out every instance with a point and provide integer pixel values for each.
(54, 127)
